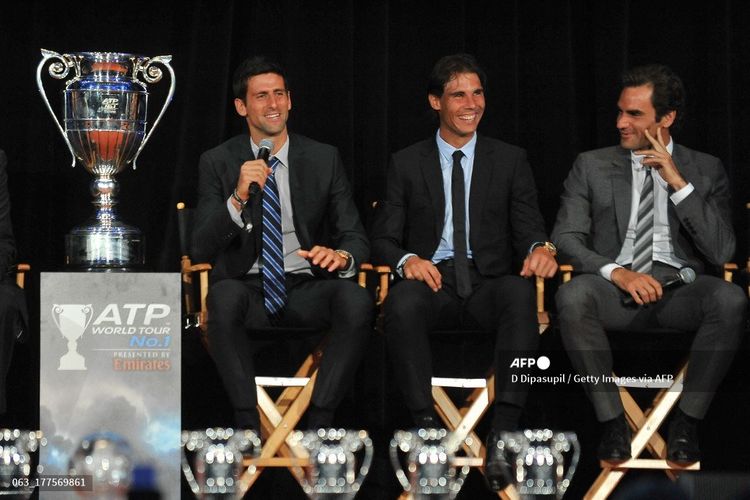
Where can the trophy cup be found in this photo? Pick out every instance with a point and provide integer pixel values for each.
(104, 120)
(16, 447)
(72, 320)
(429, 459)
(107, 458)
(217, 460)
(542, 461)
(333, 461)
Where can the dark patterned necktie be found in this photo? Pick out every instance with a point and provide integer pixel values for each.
(460, 254)
(274, 288)
(643, 247)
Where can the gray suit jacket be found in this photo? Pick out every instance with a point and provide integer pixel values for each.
(595, 210)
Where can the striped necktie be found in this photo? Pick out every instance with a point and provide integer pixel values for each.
(643, 248)
(274, 288)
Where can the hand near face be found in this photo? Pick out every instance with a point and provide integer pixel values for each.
(324, 257)
(540, 263)
(642, 287)
(659, 158)
(419, 269)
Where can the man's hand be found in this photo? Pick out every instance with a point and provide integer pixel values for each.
(660, 159)
(419, 269)
(642, 287)
(251, 171)
(540, 263)
(324, 257)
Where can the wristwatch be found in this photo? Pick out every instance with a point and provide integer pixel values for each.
(346, 255)
(551, 248)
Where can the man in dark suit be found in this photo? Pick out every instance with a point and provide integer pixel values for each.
(460, 210)
(631, 216)
(281, 248)
(13, 315)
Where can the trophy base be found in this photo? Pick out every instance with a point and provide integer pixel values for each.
(118, 247)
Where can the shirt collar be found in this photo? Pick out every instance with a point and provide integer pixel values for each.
(282, 154)
(636, 160)
(446, 150)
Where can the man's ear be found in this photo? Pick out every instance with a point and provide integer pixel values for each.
(239, 106)
(434, 101)
(668, 119)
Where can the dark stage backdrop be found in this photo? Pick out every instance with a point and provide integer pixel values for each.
(357, 72)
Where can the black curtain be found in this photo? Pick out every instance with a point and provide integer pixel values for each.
(357, 72)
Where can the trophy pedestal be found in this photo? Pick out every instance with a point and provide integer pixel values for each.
(115, 247)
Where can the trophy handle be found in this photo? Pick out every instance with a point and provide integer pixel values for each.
(89, 312)
(58, 70)
(572, 438)
(366, 462)
(54, 316)
(152, 74)
(400, 474)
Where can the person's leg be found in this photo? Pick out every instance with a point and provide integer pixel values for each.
(235, 306)
(412, 310)
(346, 311)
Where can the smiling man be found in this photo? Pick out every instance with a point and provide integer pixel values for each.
(630, 217)
(262, 224)
(461, 227)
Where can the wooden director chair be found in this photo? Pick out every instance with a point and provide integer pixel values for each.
(645, 424)
(461, 420)
(279, 416)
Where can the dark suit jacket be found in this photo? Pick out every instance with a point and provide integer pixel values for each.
(323, 210)
(595, 210)
(14, 315)
(504, 216)
(7, 243)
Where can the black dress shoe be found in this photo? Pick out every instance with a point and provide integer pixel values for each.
(614, 445)
(682, 445)
(497, 470)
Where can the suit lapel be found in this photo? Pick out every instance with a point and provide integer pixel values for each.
(296, 182)
(481, 176)
(622, 190)
(433, 177)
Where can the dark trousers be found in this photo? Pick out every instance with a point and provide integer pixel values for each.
(505, 305)
(339, 308)
(712, 308)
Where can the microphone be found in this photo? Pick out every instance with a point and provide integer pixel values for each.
(264, 151)
(685, 276)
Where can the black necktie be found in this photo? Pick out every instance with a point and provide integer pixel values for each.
(458, 200)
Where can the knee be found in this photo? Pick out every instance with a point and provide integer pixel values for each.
(356, 302)
(226, 298)
(405, 299)
(574, 299)
(729, 302)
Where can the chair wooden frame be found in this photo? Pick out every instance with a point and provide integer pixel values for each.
(461, 420)
(278, 417)
(645, 425)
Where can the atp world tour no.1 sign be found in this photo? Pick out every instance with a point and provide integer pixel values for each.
(110, 378)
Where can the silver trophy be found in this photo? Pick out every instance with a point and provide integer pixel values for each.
(542, 461)
(430, 471)
(333, 462)
(16, 461)
(216, 456)
(104, 125)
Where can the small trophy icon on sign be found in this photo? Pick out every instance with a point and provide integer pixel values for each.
(72, 320)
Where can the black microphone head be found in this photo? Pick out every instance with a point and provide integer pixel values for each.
(687, 275)
(264, 149)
